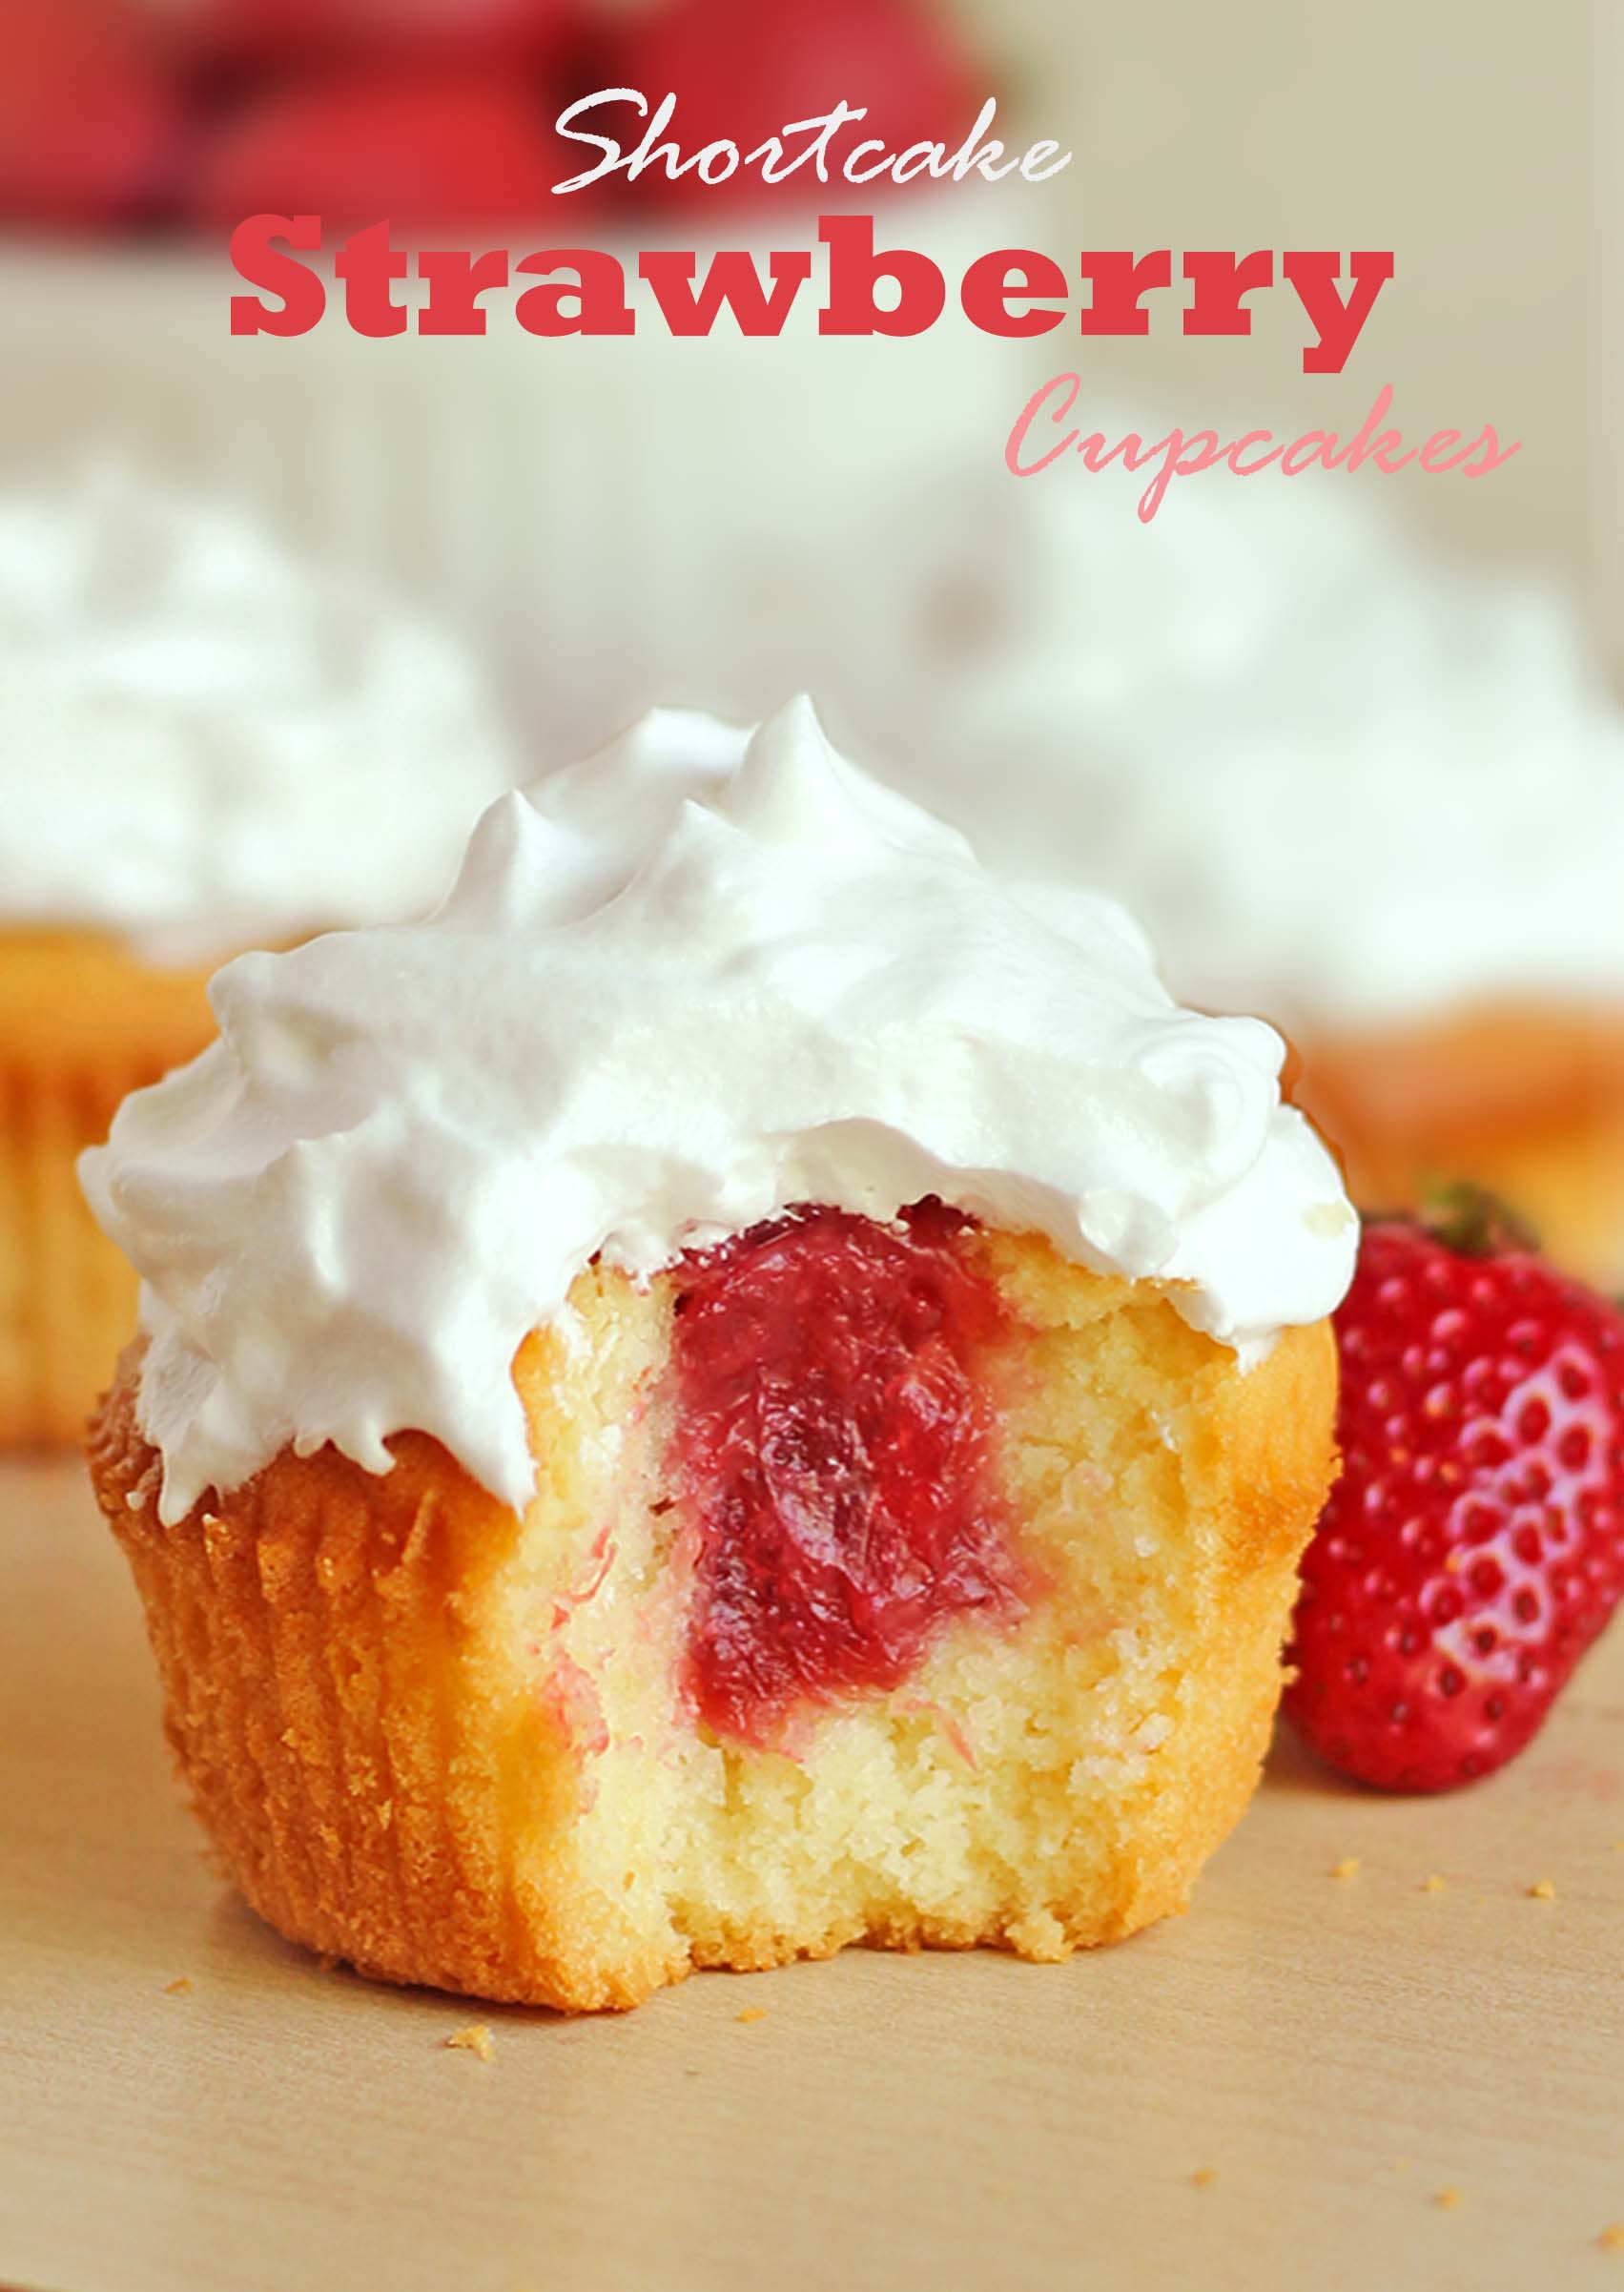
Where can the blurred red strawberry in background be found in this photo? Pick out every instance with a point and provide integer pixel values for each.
(280, 32)
(441, 111)
(470, 148)
(742, 70)
(90, 123)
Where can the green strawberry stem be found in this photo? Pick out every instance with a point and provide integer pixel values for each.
(1472, 1221)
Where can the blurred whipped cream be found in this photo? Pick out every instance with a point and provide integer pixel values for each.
(703, 976)
(206, 744)
(1334, 781)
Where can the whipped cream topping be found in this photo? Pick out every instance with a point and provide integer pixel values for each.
(1337, 781)
(207, 745)
(706, 976)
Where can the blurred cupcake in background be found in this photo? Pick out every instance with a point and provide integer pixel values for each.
(625, 519)
(1380, 801)
(205, 746)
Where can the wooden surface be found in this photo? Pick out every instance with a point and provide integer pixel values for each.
(1335, 2052)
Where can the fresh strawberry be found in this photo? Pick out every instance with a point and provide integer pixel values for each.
(470, 149)
(1473, 1547)
(741, 71)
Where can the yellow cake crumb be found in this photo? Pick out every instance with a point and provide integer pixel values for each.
(1348, 1867)
(1543, 1889)
(1612, 2237)
(1433, 1885)
(180, 1987)
(1203, 2177)
(1448, 2200)
(751, 2014)
(476, 2038)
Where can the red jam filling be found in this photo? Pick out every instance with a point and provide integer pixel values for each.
(832, 1450)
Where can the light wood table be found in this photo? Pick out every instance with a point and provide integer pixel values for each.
(1336, 2053)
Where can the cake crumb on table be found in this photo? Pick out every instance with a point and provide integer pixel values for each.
(1612, 2237)
(1542, 1890)
(1203, 2177)
(1448, 2200)
(476, 2038)
(1348, 1867)
(751, 2014)
(180, 1987)
(1433, 1885)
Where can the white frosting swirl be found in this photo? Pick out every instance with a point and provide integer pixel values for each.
(206, 745)
(706, 976)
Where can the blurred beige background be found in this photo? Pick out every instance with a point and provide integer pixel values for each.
(1458, 133)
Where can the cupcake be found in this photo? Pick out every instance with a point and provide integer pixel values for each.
(1380, 804)
(203, 747)
(747, 1386)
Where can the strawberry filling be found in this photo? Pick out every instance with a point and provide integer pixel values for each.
(833, 1450)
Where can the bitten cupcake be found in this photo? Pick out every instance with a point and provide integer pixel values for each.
(203, 747)
(749, 1385)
